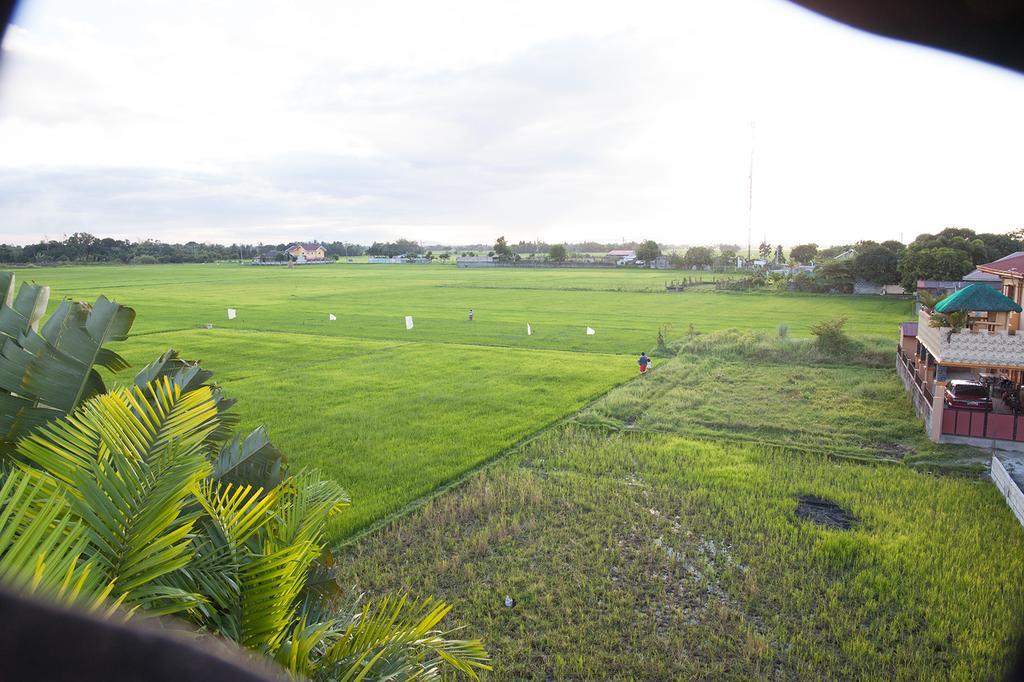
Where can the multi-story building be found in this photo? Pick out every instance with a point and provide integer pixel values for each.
(974, 333)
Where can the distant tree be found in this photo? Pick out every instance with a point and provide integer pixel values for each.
(999, 245)
(941, 263)
(779, 255)
(764, 249)
(698, 256)
(445, 256)
(946, 254)
(396, 248)
(804, 253)
(876, 263)
(894, 246)
(557, 253)
(648, 250)
(836, 275)
(833, 251)
(502, 250)
(726, 256)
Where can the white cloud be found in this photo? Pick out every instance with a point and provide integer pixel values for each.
(456, 121)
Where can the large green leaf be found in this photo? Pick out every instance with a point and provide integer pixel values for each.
(251, 461)
(21, 314)
(45, 374)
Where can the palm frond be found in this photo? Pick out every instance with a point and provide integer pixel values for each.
(308, 501)
(271, 585)
(131, 468)
(213, 572)
(123, 421)
(189, 376)
(43, 550)
(397, 639)
(238, 511)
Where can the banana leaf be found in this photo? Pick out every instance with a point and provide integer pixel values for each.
(45, 374)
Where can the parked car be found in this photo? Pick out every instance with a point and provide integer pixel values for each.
(968, 395)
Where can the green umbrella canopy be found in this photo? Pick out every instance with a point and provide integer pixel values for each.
(977, 297)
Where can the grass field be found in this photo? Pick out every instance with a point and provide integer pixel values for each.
(394, 413)
(626, 307)
(655, 537)
(648, 535)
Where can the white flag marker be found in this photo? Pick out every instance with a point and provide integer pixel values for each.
(529, 329)
(331, 317)
(590, 332)
(231, 313)
(408, 321)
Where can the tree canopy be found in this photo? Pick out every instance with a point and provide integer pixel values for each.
(952, 253)
(648, 250)
(804, 253)
(503, 251)
(698, 256)
(878, 263)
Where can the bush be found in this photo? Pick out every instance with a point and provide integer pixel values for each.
(831, 338)
(145, 259)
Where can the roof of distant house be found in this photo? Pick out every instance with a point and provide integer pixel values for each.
(981, 276)
(307, 247)
(977, 297)
(1012, 263)
(949, 284)
(622, 252)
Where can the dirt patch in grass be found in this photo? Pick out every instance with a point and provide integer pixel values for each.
(824, 512)
(894, 450)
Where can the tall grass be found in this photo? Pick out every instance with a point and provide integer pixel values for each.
(651, 556)
(761, 347)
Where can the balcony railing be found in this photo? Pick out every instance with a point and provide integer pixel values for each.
(923, 387)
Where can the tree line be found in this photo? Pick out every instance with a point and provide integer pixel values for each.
(82, 247)
(947, 256)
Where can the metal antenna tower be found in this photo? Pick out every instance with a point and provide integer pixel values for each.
(750, 191)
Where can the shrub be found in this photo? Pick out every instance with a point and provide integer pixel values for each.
(830, 334)
(145, 259)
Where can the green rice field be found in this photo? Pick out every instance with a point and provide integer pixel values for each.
(645, 527)
(395, 413)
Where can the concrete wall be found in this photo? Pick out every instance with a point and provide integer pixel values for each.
(1009, 489)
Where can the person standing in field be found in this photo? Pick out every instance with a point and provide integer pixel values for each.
(644, 362)
(470, 314)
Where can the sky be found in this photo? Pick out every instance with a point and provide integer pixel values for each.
(455, 122)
